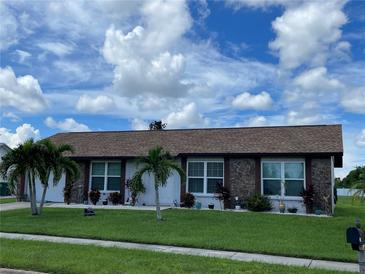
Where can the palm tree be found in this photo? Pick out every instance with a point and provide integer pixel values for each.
(23, 160)
(161, 165)
(53, 161)
(359, 187)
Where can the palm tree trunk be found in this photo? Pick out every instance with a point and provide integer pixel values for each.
(45, 187)
(157, 200)
(43, 198)
(32, 197)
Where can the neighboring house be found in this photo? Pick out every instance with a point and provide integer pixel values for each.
(246, 160)
(4, 191)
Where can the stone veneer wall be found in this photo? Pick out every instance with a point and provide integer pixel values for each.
(77, 195)
(321, 180)
(242, 177)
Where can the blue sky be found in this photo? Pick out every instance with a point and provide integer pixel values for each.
(116, 65)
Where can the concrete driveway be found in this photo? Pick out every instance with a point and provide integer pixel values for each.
(12, 206)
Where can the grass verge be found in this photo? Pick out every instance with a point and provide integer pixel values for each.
(7, 200)
(300, 236)
(65, 258)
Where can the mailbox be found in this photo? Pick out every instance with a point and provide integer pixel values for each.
(354, 236)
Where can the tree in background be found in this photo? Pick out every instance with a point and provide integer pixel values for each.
(352, 177)
(157, 125)
(359, 186)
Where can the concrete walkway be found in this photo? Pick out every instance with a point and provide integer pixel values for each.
(237, 256)
(63, 205)
(16, 205)
(17, 271)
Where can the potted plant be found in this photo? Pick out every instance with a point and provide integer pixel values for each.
(308, 198)
(115, 197)
(281, 203)
(94, 196)
(237, 203)
(292, 210)
(222, 194)
(281, 206)
(135, 187)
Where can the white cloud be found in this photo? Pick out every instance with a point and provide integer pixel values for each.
(68, 124)
(304, 118)
(8, 29)
(263, 4)
(257, 121)
(143, 57)
(353, 156)
(23, 93)
(57, 48)
(22, 55)
(360, 140)
(313, 89)
(245, 100)
(100, 103)
(353, 100)
(12, 116)
(305, 32)
(21, 134)
(317, 80)
(139, 124)
(187, 117)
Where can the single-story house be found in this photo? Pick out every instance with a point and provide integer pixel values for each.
(4, 191)
(246, 160)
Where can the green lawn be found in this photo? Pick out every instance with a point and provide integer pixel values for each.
(312, 237)
(7, 200)
(64, 258)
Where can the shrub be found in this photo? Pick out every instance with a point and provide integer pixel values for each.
(135, 186)
(94, 196)
(258, 202)
(188, 200)
(115, 197)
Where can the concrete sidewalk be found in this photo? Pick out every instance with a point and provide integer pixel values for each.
(17, 271)
(16, 205)
(63, 205)
(237, 256)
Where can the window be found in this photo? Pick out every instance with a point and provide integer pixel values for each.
(203, 176)
(105, 176)
(276, 172)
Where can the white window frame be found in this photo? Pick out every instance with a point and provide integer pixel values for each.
(282, 178)
(106, 163)
(205, 177)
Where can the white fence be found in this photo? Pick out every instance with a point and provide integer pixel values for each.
(345, 191)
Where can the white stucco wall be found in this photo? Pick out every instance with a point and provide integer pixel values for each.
(54, 193)
(168, 193)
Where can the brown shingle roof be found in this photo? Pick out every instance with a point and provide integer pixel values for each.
(321, 139)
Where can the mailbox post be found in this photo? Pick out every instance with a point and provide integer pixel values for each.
(356, 237)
